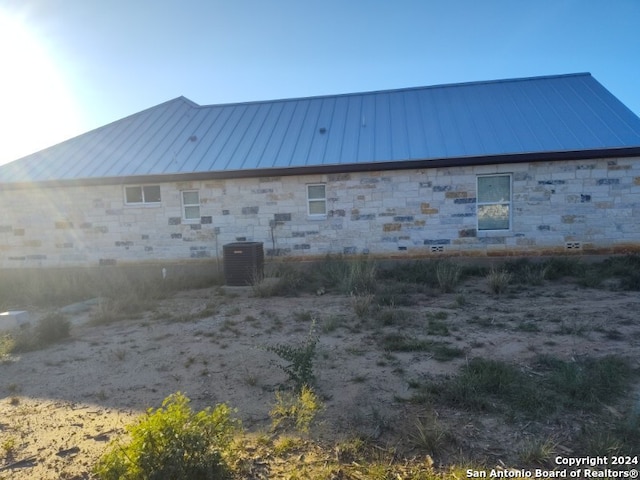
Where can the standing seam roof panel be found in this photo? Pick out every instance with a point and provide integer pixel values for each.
(252, 134)
(519, 121)
(239, 141)
(204, 125)
(508, 117)
(591, 118)
(308, 130)
(146, 148)
(433, 125)
(351, 137)
(400, 146)
(382, 135)
(207, 152)
(484, 126)
(102, 140)
(124, 140)
(538, 119)
(255, 155)
(366, 141)
(623, 118)
(290, 141)
(123, 166)
(161, 154)
(562, 134)
(335, 131)
(319, 140)
(274, 144)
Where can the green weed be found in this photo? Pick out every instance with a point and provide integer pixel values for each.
(300, 359)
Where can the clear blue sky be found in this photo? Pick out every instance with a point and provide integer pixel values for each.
(69, 66)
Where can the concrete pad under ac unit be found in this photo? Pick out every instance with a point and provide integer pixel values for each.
(13, 319)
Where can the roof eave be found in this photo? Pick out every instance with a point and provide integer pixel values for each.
(500, 159)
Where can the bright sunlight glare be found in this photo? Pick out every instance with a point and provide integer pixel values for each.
(38, 109)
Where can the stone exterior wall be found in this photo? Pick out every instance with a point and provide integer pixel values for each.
(585, 206)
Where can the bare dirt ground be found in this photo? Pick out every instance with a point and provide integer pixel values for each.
(61, 406)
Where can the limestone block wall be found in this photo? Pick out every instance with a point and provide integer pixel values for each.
(582, 206)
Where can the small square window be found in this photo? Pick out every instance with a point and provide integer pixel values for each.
(316, 199)
(191, 205)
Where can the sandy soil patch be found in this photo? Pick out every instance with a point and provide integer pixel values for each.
(60, 407)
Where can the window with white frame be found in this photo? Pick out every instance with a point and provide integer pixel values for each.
(142, 194)
(494, 202)
(191, 205)
(317, 199)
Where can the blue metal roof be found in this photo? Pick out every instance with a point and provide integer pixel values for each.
(541, 115)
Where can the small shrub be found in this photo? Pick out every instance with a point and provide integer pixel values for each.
(295, 409)
(304, 316)
(285, 445)
(437, 327)
(448, 276)
(173, 442)
(498, 281)
(361, 277)
(528, 327)
(559, 267)
(430, 435)
(52, 328)
(524, 272)
(392, 316)
(7, 345)
(538, 452)
(332, 323)
(300, 358)
(283, 281)
(461, 300)
(361, 304)
(357, 275)
(440, 351)
(8, 447)
(535, 275)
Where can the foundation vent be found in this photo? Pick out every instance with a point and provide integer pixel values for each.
(437, 248)
(573, 246)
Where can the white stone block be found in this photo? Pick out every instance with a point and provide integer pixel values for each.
(13, 319)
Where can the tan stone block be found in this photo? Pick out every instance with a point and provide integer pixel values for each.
(455, 195)
(604, 205)
(391, 227)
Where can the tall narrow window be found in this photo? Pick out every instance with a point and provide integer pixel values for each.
(494, 202)
(316, 199)
(142, 194)
(191, 205)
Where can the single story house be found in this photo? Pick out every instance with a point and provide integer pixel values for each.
(525, 166)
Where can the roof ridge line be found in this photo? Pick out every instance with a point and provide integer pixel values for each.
(394, 90)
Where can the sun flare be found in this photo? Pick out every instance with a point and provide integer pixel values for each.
(38, 109)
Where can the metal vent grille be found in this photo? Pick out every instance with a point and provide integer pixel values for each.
(437, 249)
(573, 246)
